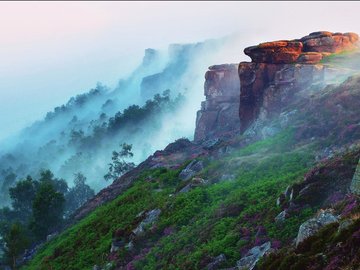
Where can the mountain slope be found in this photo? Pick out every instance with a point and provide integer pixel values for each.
(275, 196)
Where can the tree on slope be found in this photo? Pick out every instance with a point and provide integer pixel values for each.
(119, 164)
(16, 242)
(79, 194)
(48, 210)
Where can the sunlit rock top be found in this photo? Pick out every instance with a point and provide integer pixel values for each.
(309, 49)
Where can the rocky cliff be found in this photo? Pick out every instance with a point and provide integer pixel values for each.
(277, 72)
(219, 112)
(280, 69)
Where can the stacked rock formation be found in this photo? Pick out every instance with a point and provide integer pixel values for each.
(219, 113)
(281, 68)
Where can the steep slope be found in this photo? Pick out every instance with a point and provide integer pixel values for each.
(280, 190)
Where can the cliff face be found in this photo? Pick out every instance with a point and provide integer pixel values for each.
(277, 72)
(219, 112)
(280, 69)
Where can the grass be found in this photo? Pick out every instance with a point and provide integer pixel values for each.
(221, 218)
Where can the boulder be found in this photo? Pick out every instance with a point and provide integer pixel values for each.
(248, 262)
(313, 225)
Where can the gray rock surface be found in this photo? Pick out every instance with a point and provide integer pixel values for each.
(194, 167)
(313, 225)
(248, 262)
(150, 218)
(281, 216)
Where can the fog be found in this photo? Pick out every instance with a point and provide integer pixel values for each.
(80, 135)
(53, 50)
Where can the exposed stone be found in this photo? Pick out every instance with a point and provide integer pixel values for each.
(280, 200)
(217, 261)
(281, 69)
(329, 42)
(281, 216)
(194, 167)
(195, 182)
(248, 262)
(355, 183)
(288, 192)
(109, 266)
(313, 225)
(116, 245)
(277, 52)
(129, 246)
(267, 88)
(210, 144)
(219, 112)
(150, 218)
(310, 57)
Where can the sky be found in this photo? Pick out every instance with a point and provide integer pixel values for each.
(50, 51)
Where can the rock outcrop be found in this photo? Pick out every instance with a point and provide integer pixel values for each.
(313, 225)
(149, 218)
(219, 112)
(191, 169)
(280, 69)
(253, 256)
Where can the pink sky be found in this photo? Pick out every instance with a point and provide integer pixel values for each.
(50, 51)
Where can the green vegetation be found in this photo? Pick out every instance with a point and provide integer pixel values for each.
(224, 217)
(119, 165)
(16, 242)
(38, 208)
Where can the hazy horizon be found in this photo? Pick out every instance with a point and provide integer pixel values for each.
(51, 51)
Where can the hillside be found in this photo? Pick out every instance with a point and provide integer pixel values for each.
(271, 185)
